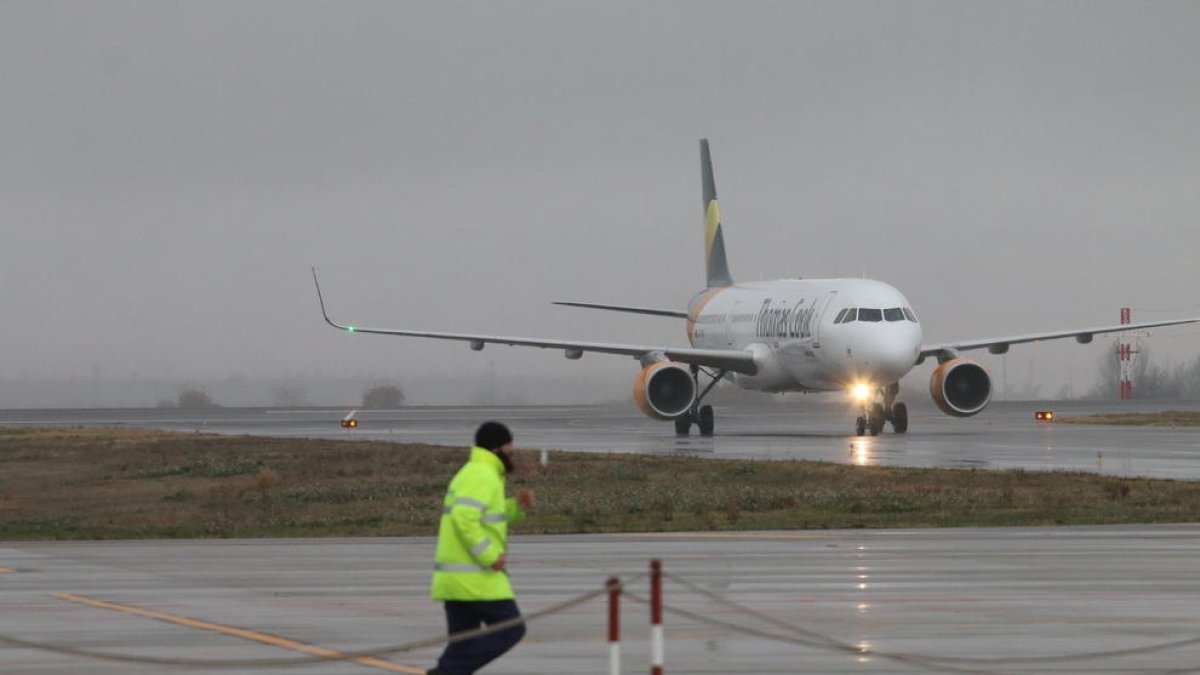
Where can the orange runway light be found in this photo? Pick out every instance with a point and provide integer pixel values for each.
(1044, 416)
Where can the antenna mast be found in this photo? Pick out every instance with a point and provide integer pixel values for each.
(1125, 355)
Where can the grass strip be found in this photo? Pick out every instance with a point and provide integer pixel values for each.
(113, 483)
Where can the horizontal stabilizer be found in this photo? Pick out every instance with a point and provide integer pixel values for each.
(631, 310)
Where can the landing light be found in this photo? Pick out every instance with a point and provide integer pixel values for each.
(861, 392)
(1044, 416)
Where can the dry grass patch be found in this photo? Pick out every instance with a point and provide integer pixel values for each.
(89, 483)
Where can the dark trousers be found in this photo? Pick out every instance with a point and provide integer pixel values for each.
(464, 658)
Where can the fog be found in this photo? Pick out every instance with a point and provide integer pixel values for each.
(170, 171)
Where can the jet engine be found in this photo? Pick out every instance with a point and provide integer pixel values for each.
(664, 390)
(960, 387)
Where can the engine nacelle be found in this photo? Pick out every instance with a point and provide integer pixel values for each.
(664, 390)
(961, 387)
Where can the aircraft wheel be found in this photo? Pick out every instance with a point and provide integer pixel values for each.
(707, 421)
(875, 419)
(900, 418)
(683, 425)
(860, 426)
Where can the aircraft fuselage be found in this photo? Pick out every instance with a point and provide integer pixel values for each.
(791, 325)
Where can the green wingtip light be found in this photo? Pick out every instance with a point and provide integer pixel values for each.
(349, 329)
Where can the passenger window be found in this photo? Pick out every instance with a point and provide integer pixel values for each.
(870, 315)
(851, 315)
(893, 314)
(908, 313)
(841, 315)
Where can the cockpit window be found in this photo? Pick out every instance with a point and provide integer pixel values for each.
(870, 314)
(841, 315)
(851, 315)
(908, 314)
(893, 314)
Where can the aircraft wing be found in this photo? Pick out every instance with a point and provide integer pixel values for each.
(623, 308)
(999, 345)
(736, 360)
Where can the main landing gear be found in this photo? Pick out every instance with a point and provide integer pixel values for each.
(877, 414)
(700, 415)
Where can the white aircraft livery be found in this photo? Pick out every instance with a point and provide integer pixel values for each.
(810, 335)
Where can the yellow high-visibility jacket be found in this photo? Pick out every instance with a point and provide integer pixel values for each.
(474, 532)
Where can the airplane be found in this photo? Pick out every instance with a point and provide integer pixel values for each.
(808, 335)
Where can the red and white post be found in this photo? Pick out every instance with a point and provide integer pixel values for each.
(1125, 354)
(656, 627)
(614, 626)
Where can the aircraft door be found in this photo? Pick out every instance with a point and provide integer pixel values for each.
(819, 310)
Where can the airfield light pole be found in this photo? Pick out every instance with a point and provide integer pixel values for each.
(1125, 354)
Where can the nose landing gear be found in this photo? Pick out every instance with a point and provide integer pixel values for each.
(899, 418)
(877, 414)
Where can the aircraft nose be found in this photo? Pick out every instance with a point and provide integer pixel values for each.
(885, 360)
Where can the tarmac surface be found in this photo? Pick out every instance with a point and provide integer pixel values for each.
(1005, 436)
(1005, 597)
(1003, 600)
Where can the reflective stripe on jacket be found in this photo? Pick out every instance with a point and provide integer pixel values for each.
(473, 532)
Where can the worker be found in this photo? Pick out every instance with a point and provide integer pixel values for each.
(470, 573)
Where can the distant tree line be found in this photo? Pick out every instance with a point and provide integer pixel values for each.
(1150, 380)
(383, 395)
(190, 398)
(376, 395)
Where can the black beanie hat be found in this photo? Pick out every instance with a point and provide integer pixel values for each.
(493, 435)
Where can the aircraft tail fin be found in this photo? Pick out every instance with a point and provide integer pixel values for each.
(716, 264)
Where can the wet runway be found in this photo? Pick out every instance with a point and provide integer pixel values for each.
(1004, 600)
(1005, 597)
(1002, 437)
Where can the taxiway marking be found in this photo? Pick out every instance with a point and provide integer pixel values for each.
(243, 633)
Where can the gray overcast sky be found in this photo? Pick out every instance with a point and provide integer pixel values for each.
(169, 171)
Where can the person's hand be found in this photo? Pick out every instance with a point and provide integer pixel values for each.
(526, 499)
(498, 566)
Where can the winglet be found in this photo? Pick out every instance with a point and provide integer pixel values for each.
(348, 329)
